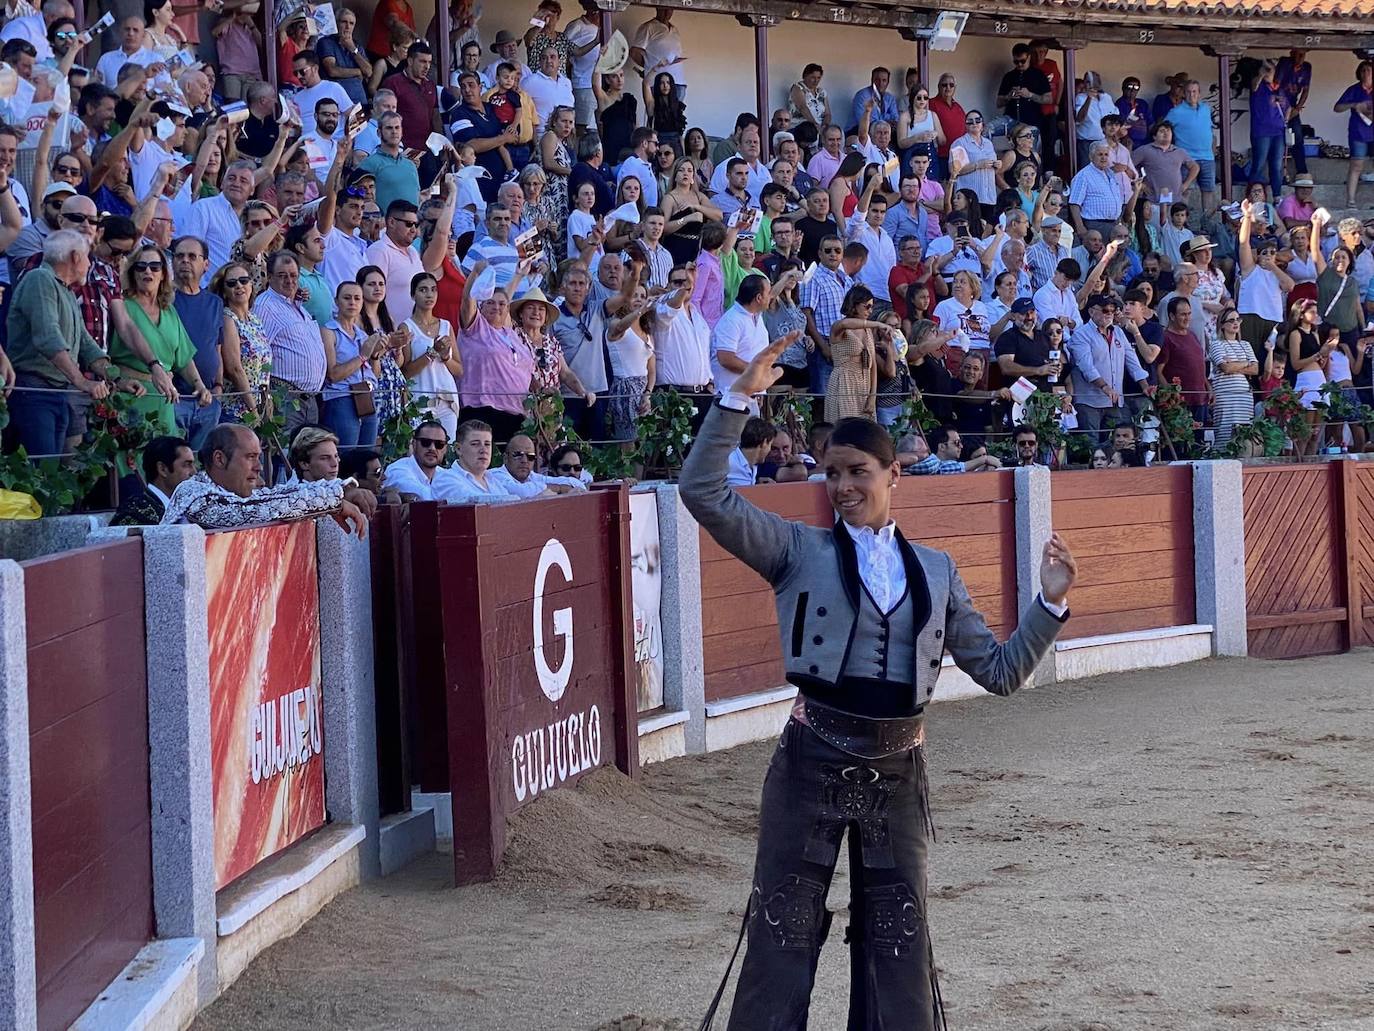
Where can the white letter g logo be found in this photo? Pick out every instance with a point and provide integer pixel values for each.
(552, 682)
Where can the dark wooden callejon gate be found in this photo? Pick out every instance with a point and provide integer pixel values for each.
(519, 633)
(1309, 558)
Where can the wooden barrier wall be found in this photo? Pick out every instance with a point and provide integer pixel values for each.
(1132, 533)
(1309, 558)
(88, 741)
(971, 517)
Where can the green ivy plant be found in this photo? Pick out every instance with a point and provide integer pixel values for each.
(664, 433)
(915, 417)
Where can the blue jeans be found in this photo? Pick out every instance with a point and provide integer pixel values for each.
(1267, 151)
(39, 418)
(196, 422)
(1206, 175)
(341, 418)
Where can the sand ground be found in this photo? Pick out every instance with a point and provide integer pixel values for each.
(1190, 848)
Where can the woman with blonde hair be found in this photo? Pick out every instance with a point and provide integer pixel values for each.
(964, 314)
(686, 209)
(148, 292)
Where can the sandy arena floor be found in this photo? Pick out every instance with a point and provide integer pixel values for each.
(1183, 849)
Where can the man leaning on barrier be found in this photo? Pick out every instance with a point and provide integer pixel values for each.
(228, 490)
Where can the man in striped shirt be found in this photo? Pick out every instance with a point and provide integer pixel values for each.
(821, 299)
(298, 361)
(497, 251)
(1043, 256)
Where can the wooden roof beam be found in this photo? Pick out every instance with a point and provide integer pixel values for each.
(1082, 33)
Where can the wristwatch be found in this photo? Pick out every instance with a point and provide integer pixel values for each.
(157, 362)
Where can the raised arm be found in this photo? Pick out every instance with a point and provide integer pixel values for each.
(765, 542)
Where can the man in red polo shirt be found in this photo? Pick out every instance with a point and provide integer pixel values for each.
(417, 97)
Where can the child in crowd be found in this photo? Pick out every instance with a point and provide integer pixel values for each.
(1176, 233)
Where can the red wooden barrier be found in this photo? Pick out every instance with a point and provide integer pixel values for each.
(1132, 533)
(971, 517)
(88, 742)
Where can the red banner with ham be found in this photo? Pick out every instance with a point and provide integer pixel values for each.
(266, 710)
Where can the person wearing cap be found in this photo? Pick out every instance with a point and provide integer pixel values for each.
(504, 47)
(1135, 113)
(1296, 208)
(1102, 358)
(30, 239)
(1057, 299)
(1192, 122)
(1022, 350)
(1044, 256)
(292, 37)
(1294, 77)
(1170, 98)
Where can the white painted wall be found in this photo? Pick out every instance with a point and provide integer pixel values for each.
(720, 71)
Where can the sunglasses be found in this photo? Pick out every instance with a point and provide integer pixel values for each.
(1133, 86)
(922, 96)
(355, 191)
(121, 254)
(67, 169)
(528, 456)
(238, 281)
(409, 223)
(566, 468)
(67, 35)
(430, 442)
(973, 121)
(147, 266)
(82, 220)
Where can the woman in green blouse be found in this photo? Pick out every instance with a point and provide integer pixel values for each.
(147, 286)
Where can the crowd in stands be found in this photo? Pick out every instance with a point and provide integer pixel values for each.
(551, 224)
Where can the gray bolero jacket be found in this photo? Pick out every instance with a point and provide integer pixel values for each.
(814, 573)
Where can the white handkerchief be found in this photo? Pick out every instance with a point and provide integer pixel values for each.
(627, 213)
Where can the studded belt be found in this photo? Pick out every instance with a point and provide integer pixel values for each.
(864, 736)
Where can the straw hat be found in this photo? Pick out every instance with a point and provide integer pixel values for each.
(535, 296)
(615, 53)
(1198, 243)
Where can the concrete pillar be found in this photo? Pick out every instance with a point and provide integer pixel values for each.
(18, 984)
(1033, 529)
(684, 669)
(1219, 553)
(346, 677)
(183, 820)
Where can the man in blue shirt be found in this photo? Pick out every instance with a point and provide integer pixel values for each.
(475, 123)
(1192, 122)
(884, 103)
(1294, 79)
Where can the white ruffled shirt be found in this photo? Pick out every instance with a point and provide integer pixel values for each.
(880, 563)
